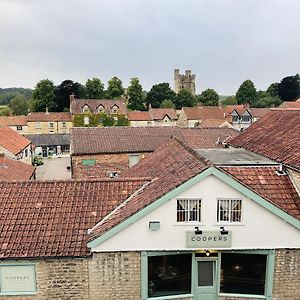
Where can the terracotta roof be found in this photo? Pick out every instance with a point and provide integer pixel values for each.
(14, 169)
(276, 135)
(49, 117)
(91, 140)
(139, 116)
(278, 190)
(160, 113)
(12, 140)
(258, 112)
(51, 219)
(204, 112)
(76, 105)
(215, 123)
(13, 121)
(290, 104)
(169, 166)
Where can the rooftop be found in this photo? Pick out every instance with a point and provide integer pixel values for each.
(49, 117)
(49, 139)
(13, 120)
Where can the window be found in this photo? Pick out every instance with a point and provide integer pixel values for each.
(101, 109)
(26, 152)
(63, 124)
(229, 211)
(51, 125)
(169, 275)
(19, 128)
(86, 120)
(188, 210)
(235, 119)
(86, 109)
(17, 279)
(38, 125)
(133, 159)
(114, 110)
(246, 119)
(243, 274)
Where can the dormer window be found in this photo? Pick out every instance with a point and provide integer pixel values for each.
(114, 109)
(101, 109)
(86, 109)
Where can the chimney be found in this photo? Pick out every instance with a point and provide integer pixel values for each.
(72, 98)
(2, 160)
(47, 111)
(246, 105)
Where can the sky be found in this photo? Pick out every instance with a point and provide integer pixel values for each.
(223, 42)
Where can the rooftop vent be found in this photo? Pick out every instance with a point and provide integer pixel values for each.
(281, 171)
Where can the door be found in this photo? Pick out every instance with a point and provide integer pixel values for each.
(205, 285)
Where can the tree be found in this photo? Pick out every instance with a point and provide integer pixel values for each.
(94, 89)
(246, 93)
(209, 97)
(231, 100)
(135, 95)
(289, 88)
(122, 121)
(167, 104)
(272, 90)
(267, 101)
(43, 96)
(159, 93)
(184, 98)
(115, 88)
(19, 105)
(63, 92)
(4, 110)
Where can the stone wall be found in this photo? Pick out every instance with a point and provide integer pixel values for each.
(105, 163)
(115, 276)
(58, 279)
(286, 284)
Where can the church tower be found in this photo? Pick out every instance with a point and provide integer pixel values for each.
(185, 81)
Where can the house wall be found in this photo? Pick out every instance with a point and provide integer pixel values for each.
(105, 163)
(295, 176)
(20, 156)
(23, 131)
(182, 119)
(141, 123)
(45, 129)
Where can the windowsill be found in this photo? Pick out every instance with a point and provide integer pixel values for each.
(189, 224)
(229, 224)
(172, 297)
(242, 296)
(17, 293)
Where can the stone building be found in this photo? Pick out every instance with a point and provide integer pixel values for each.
(180, 224)
(185, 81)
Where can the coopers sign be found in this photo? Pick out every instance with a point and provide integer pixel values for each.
(208, 239)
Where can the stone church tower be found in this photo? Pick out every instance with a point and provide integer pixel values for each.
(186, 81)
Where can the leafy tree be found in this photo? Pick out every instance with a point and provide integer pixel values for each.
(43, 96)
(159, 93)
(167, 104)
(231, 100)
(94, 89)
(184, 98)
(135, 95)
(289, 88)
(115, 88)
(106, 120)
(122, 121)
(7, 94)
(19, 105)
(246, 93)
(63, 92)
(272, 90)
(5, 110)
(267, 101)
(261, 94)
(209, 97)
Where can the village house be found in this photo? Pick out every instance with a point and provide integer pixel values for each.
(180, 224)
(153, 117)
(291, 104)
(17, 123)
(15, 170)
(49, 122)
(105, 152)
(86, 111)
(14, 145)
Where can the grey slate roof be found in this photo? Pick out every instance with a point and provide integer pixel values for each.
(49, 139)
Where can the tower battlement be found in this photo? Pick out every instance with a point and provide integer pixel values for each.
(185, 81)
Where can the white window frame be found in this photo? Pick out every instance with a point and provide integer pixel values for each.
(19, 128)
(86, 120)
(38, 125)
(51, 125)
(64, 124)
(230, 210)
(187, 211)
(131, 157)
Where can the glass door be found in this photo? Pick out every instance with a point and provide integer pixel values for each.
(205, 279)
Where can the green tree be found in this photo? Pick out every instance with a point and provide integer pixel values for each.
(272, 90)
(159, 93)
(167, 104)
(267, 101)
(94, 89)
(289, 88)
(5, 110)
(19, 105)
(209, 97)
(184, 98)
(115, 88)
(135, 95)
(63, 92)
(122, 121)
(43, 96)
(231, 100)
(246, 93)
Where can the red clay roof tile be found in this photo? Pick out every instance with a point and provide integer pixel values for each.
(49, 117)
(13, 120)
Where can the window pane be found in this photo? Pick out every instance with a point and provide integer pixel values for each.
(205, 273)
(243, 274)
(169, 275)
(189, 210)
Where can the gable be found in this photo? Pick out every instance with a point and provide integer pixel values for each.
(220, 183)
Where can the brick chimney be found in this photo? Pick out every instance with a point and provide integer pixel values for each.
(2, 160)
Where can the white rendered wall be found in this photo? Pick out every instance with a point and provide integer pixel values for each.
(260, 229)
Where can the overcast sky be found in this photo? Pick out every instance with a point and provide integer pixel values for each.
(223, 42)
